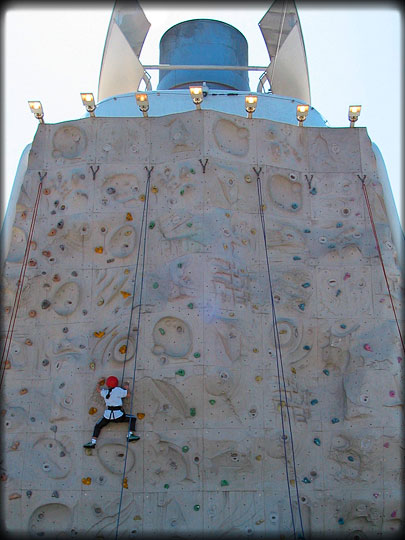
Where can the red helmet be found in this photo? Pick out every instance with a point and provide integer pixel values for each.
(112, 382)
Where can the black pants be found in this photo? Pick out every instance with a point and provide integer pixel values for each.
(104, 421)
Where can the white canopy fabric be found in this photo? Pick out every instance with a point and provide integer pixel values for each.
(121, 71)
(288, 68)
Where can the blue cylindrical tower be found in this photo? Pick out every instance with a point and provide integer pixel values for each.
(203, 42)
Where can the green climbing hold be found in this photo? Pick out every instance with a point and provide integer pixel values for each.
(192, 411)
(301, 306)
(196, 507)
(180, 372)
(331, 246)
(306, 285)
(162, 331)
(192, 171)
(179, 265)
(306, 480)
(212, 401)
(326, 371)
(190, 305)
(314, 402)
(185, 449)
(152, 225)
(343, 326)
(350, 458)
(224, 483)
(166, 486)
(296, 258)
(189, 224)
(155, 285)
(182, 192)
(317, 441)
(197, 355)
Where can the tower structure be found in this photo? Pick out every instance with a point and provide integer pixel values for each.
(227, 268)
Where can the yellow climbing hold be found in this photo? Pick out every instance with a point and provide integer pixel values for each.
(283, 332)
(255, 350)
(23, 391)
(293, 370)
(99, 249)
(263, 207)
(142, 197)
(129, 217)
(92, 410)
(125, 483)
(92, 365)
(86, 481)
(140, 415)
(252, 231)
(126, 271)
(125, 294)
(137, 518)
(154, 189)
(99, 334)
(258, 378)
(258, 457)
(123, 349)
(227, 214)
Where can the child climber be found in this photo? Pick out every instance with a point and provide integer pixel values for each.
(114, 412)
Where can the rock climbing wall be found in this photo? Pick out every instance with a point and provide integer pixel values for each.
(212, 452)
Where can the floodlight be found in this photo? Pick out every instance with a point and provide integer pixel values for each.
(88, 102)
(354, 113)
(143, 103)
(36, 109)
(197, 95)
(250, 105)
(302, 113)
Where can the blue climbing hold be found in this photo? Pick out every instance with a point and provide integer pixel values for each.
(339, 225)
(338, 292)
(341, 521)
(306, 348)
(307, 231)
(294, 206)
(317, 441)
(301, 306)
(350, 458)
(335, 420)
(313, 191)
(326, 371)
(296, 258)
(343, 326)
(306, 480)
(314, 402)
(306, 285)
(331, 246)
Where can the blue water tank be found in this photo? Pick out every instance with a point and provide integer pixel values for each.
(203, 42)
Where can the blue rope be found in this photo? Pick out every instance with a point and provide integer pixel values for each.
(279, 363)
(144, 231)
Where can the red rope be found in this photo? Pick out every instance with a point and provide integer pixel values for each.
(20, 282)
(381, 259)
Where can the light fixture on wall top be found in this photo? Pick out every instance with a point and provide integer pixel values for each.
(88, 102)
(250, 105)
(196, 93)
(36, 109)
(354, 113)
(143, 103)
(302, 113)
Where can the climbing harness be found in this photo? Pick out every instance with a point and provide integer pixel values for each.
(20, 282)
(143, 233)
(377, 245)
(280, 369)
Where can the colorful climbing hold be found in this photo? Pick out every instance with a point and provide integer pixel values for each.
(192, 411)
(313, 191)
(343, 326)
(339, 225)
(190, 305)
(367, 347)
(155, 285)
(154, 189)
(341, 521)
(180, 372)
(255, 350)
(142, 197)
(152, 225)
(301, 306)
(331, 246)
(350, 458)
(92, 410)
(196, 355)
(326, 371)
(125, 483)
(294, 205)
(166, 486)
(162, 331)
(99, 334)
(99, 249)
(196, 507)
(307, 231)
(212, 402)
(296, 258)
(123, 349)
(86, 481)
(192, 171)
(346, 276)
(258, 378)
(125, 294)
(185, 448)
(293, 370)
(335, 420)
(306, 480)
(314, 401)
(189, 224)
(182, 192)
(306, 348)
(317, 441)
(338, 292)
(224, 483)
(129, 217)
(392, 393)
(140, 415)
(306, 285)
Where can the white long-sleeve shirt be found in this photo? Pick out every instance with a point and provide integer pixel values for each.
(115, 400)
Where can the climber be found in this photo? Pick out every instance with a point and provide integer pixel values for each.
(114, 413)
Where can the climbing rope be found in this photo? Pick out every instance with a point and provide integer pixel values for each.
(144, 234)
(377, 244)
(280, 370)
(20, 283)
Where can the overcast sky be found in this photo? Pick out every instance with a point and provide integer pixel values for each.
(354, 57)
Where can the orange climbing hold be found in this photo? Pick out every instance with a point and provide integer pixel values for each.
(140, 415)
(23, 391)
(86, 481)
(99, 249)
(123, 349)
(92, 410)
(125, 294)
(99, 334)
(129, 217)
(125, 483)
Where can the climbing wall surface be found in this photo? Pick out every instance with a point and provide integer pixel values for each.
(211, 454)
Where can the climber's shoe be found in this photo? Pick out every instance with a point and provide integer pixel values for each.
(89, 445)
(132, 438)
